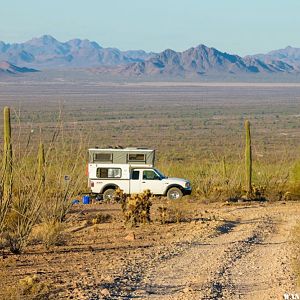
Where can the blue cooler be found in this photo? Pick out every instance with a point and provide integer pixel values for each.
(86, 199)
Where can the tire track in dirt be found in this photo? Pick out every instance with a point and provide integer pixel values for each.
(132, 283)
(266, 272)
(135, 280)
(222, 285)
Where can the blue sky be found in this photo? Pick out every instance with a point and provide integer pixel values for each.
(236, 26)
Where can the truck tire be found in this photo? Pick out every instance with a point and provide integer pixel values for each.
(174, 193)
(108, 195)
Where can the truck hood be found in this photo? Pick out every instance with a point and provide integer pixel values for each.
(175, 180)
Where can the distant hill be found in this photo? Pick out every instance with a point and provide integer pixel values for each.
(288, 55)
(199, 61)
(10, 69)
(47, 52)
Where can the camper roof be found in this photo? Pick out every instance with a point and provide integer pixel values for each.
(141, 156)
(121, 149)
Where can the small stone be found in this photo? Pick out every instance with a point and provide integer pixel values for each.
(186, 290)
(105, 292)
(130, 237)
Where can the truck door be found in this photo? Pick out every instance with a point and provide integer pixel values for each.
(135, 181)
(152, 181)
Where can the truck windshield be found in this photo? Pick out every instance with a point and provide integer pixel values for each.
(160, 174)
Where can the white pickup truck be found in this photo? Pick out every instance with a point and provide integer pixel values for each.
(132, 170)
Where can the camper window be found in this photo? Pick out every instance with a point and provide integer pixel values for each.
(136, 157)
(103, 157)
(109, 172)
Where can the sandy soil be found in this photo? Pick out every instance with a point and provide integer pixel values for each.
(237, 251)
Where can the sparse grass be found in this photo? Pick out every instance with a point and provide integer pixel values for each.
(295, 189)
(50, 234)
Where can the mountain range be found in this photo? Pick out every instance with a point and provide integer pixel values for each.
(289, 55)
(203, 60)
(48, 53)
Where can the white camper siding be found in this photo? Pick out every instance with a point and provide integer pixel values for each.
(99, 183)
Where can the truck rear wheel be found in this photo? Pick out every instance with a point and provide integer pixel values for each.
(108, 195)
(174, 193)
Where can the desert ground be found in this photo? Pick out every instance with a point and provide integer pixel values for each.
(216, 251)
(210, 247)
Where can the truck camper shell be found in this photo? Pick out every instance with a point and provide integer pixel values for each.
(130, 156)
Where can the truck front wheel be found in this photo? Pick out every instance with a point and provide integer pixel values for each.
(174, 193)
(108, 195)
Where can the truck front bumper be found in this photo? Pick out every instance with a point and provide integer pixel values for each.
(186, 191)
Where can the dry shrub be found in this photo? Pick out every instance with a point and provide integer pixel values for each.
(101, 218)
(174, 211)
(216, 179)
(175, 215)
(34, 200)
(295, 181)
(31, 288)
(50, 234)
(28, 288)
(211, 180)
(20, 221)
(64, 178)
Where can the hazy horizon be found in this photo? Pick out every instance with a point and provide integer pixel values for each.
(234, 26)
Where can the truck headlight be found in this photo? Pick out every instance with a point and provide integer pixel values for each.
(187, 185)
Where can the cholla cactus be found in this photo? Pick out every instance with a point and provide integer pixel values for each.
(120, 197)
(162, 214)
(136, 208)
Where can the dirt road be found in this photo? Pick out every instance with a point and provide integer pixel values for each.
(248, 258)
(240, 251)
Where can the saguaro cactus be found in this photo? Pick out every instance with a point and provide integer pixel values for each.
(41, 164)
(7, 156)
(248, 158)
